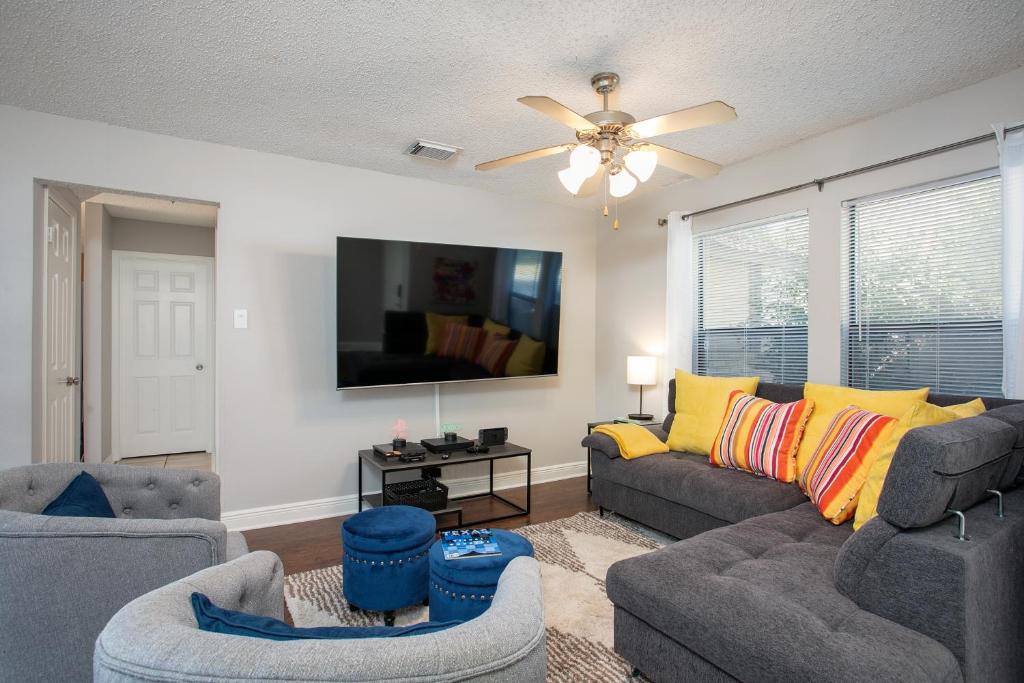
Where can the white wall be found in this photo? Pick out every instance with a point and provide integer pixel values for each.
(631, 261)
(96, 332)
(161, 238)
(284, 433)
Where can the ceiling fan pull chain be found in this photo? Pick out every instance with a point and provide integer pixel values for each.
(615, 223)
(605, 184)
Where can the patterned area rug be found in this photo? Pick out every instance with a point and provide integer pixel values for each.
(574, 553)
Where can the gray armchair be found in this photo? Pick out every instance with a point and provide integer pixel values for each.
(62, 578)
(155, 638)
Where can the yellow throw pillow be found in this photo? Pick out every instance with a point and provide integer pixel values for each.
(829, 400)
(700, 406)
(435, 329)
(497, 328)
(527, 359)
(921, 414)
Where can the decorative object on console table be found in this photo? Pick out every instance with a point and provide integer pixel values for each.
(641, 370)
(590, 428)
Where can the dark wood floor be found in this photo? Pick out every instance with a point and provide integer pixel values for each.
(316, 544)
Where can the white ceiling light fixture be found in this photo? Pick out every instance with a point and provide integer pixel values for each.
(620, 183)
(641, 163)
(571, 179)
(585, 159)
(611, 143)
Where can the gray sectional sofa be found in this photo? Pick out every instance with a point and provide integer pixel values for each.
(762, 588)
(62, 578)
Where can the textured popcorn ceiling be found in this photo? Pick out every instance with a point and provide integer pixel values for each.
(355, 82)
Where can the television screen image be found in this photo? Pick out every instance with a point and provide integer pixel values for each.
(422, 312)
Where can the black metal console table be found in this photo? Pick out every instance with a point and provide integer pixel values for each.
(392, 465)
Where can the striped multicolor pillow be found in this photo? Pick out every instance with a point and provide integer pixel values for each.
(460, 341)
(495, 352)
(835, 474)
(760, 436)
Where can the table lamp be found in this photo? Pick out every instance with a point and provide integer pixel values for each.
(641, 370)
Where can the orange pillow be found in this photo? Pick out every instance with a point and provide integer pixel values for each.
(836, 471)
(761, 437)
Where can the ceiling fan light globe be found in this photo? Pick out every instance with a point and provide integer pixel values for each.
(621, 184)
(641, 163)
(571, 179)
(584, 159)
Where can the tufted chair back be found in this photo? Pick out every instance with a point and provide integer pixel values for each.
(134, 492)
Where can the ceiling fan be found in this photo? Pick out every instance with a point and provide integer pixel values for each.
(614, 142)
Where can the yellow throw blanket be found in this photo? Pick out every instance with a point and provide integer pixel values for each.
(633, 440)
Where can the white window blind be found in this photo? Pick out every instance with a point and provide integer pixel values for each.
(922, 288)
(752, 300)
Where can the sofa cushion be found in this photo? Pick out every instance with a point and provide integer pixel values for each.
(836, 471)
(688, 479)
(700, 405)
(944, 466)
(761, 436)
(757, 600)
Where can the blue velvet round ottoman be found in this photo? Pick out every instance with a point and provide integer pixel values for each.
(385, 566)
(463, 589)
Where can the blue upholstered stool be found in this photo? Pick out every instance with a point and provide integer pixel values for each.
(463, 589)
(385, 566)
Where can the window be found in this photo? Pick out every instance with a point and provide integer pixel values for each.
(752, 300)
(922, 288)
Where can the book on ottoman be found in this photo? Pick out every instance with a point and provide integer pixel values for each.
(458, 545)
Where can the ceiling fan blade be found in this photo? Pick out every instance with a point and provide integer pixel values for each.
(684, 119)
(592, 184)
(559, 112)
(685, 163)
(525, 156)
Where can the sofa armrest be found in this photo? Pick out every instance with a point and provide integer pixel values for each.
(65, 577)
(602, 443)
(144, 641)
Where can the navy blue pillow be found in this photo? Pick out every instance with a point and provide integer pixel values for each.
(217, 620)
(83, 497)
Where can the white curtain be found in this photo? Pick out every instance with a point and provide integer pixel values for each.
(679, 297)
(1011, 167)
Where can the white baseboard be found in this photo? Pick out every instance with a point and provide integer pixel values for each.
(308, 510)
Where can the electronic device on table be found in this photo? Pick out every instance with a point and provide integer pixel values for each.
(406, 453)
(495, 436)
(465, 543)
(420, 288)
(448, 443)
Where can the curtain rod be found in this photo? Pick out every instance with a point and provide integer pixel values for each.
(820, 182)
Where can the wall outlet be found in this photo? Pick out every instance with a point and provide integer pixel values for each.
(241, 318)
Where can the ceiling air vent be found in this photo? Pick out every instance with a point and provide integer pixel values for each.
(431, 150)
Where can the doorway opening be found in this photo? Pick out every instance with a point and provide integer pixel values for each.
(125, 328)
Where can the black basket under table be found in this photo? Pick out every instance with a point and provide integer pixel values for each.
(427, 493)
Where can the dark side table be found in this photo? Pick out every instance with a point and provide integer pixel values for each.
(617, 420)
(391, 465)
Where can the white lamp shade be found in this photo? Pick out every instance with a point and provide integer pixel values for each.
(571, 179)
(642, 370)
(641, 163)
(621, 184)
(584, 159)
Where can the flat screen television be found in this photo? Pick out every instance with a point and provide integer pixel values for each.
(423, 313)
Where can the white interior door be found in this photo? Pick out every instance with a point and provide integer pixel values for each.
(62, 384)
(163, 354)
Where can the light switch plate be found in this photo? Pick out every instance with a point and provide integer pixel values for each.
(241, 318)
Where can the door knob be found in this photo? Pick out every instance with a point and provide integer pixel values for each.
(72, 381)
(199, 366)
